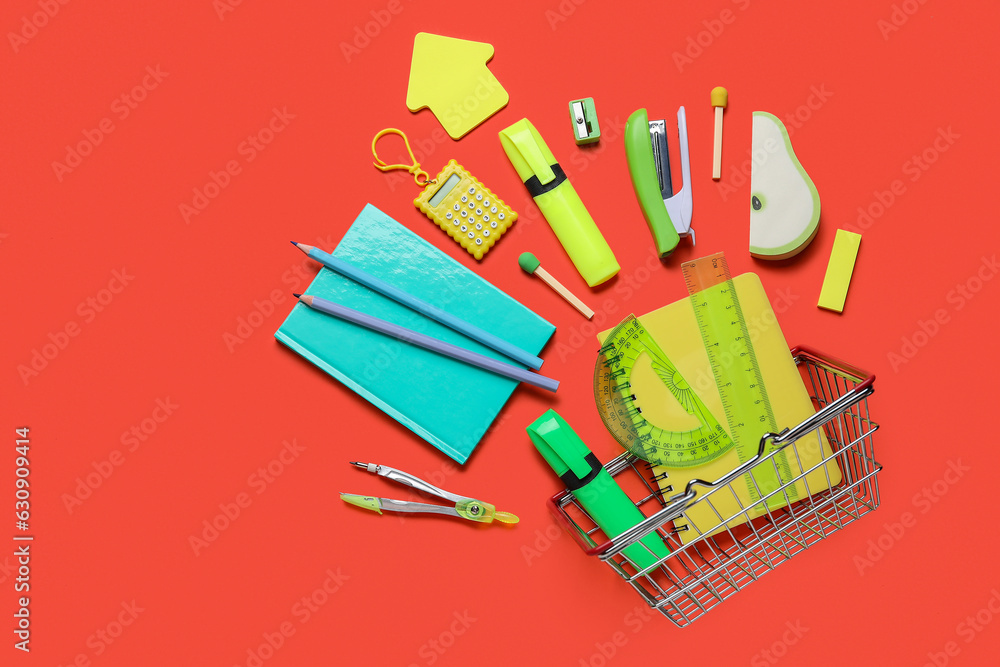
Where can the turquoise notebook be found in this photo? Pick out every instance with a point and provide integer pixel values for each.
(447, 403)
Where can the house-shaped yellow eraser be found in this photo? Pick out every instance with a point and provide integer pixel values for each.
(450, 77)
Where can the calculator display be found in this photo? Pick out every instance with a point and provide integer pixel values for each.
(443, 191)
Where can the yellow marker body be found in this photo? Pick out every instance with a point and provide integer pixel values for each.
(578, 233)
(559, 202)
(839, 270)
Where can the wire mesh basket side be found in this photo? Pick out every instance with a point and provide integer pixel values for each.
(723, 547)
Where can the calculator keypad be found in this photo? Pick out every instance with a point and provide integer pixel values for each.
(468, 212)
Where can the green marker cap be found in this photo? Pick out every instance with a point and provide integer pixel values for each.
(560, 446)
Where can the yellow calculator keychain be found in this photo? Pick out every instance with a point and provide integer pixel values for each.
(455, 201)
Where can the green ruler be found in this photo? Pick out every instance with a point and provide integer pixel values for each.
(626, 346)
(737, 374)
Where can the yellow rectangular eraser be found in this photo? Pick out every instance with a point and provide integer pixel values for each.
(839, 270)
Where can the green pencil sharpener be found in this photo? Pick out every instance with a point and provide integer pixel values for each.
(586, 129)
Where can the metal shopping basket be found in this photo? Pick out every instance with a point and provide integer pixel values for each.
(705, 568)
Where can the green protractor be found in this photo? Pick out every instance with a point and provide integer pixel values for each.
(620, 410)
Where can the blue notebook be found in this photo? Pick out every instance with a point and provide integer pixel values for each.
(446, 402)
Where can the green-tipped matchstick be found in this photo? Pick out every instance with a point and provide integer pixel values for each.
(531, 264)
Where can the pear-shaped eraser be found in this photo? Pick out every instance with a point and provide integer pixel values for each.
(784, 203)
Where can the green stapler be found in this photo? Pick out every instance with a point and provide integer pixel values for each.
(668, 214)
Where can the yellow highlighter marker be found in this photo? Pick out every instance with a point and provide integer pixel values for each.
(548, 185)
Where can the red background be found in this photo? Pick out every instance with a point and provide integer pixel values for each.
(888, 93)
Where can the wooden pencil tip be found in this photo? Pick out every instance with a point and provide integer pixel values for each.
(296, 295)
(294, 244)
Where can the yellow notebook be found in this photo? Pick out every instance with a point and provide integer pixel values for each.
(675, 330)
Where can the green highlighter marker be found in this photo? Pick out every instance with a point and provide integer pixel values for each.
(593, 486)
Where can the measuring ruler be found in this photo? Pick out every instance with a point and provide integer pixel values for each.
(737, 374)
(621, 410)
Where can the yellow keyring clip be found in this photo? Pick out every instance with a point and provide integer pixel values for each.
(414, 168)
